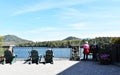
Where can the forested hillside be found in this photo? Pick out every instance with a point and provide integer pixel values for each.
(71, 38)
(69, 42)
(12, 39)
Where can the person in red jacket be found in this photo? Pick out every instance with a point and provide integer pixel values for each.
(86, 50)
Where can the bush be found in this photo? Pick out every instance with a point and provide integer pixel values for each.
(1, 51)
(105, 58)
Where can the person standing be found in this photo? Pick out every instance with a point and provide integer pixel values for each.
(95, 52)
(86, 50)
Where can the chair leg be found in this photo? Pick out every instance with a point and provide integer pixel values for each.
(3, 62)
(30, 62)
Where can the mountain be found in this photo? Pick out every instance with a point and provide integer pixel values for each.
(72, 38)
(13, 40)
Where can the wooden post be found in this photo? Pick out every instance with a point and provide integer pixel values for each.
(75, 53)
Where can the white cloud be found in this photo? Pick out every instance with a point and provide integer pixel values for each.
(56, 34)
(111, 33)
(101, 34)
(50, 5)
(90, 12)
(69, 13)
(78, 25)
(41, 30)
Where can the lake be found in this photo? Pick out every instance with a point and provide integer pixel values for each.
(23, 52)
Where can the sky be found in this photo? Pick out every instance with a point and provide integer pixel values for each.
(48, 20)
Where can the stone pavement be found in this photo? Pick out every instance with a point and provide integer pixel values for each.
(91, 68)
(60, 67)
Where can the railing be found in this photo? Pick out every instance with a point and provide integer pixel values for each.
(23, 52)
(114, 51)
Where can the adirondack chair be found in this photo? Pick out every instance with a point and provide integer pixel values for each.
(34, 56)
(8, 55)
(48, 57)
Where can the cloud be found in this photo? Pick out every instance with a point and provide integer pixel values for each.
(114, 33)
(89, 12)
(52, 33)
(69, 13)
(41, 30)
(78, 25)
(50, 5)
(101, 34)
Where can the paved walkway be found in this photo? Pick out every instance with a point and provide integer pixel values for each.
(60, 67)
(91, 68)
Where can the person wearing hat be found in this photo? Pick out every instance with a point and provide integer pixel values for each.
(86, 50)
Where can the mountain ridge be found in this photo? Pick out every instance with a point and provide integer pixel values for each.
(71, 38)
(14, 40)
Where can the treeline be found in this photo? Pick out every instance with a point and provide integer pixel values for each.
(68, 43)
(60, 44)
(1, 49)
(1, 40)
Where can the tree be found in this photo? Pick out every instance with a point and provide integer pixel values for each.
(116, 40)
(1, 42)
